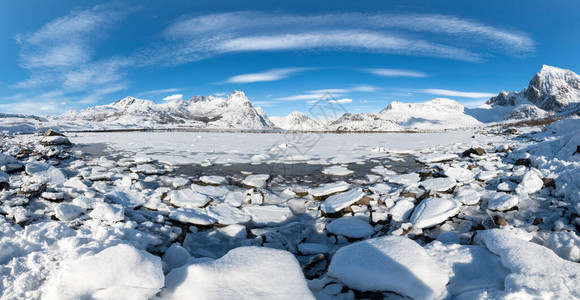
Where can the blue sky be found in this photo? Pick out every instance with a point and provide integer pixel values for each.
(62, 55)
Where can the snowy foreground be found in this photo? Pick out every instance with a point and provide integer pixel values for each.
(179, 215)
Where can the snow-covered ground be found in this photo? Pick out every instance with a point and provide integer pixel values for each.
(159, 215)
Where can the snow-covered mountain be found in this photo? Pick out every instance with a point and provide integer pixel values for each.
(435, 114)
(235, 111)
(297, 121)
(550, 90)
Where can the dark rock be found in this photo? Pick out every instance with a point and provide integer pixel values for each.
(4, 186)
(549, 182)
(577, 150)
(499, 220)
(523, 162)
(538, 221)
(51, 132)
(510, 131)
(473, 151)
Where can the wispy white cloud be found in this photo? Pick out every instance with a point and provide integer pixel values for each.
(160, 91)
(268, 75)
(67, 41)
(341, 101)
(173, 97)
(396, 73)
(317, 94)
(452, 93)
(60, 57)
(402, 33)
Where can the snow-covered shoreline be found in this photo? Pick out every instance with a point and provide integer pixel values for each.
(66, 214)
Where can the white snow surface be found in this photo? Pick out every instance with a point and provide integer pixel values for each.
(118, 272)
(243, 273)
(536, 271)
(390, 263)
(433, 211)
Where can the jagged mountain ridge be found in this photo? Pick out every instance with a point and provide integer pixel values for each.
(552, 90)
(235, 111)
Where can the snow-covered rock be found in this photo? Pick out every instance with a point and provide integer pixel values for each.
(268, 214)
(188, 198)
(336, 203)
(67, 212)
(337, 171)
(243, 273)
(258, 180)
(536, 271)
(440, 184)
(118, 272)
(390, 263)
(433, 211)
(531, 183)
(502, 201)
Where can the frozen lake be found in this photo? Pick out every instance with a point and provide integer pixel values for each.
(209, 148)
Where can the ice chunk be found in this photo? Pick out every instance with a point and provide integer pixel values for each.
(127, 198)
(531, 183)
(118, 272)
(108, 212)
(259, 180)
(502, 201)
(337, 202)
(436, 157)
(268, 214)
(210, 190)
(180, 182)
(390, 263)
(350, 227)
(196, 216)
(243, 273)
(404, 179)
(402, 209)
(337, 171)
(45, 173)
(329, 188)
(460, 174)
(433, 211)
(188, 198)
(467, 196)
(440, 184)
(67, 212)
(216, 180)
(227, 214)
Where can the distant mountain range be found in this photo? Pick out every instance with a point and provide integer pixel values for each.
(552, 91)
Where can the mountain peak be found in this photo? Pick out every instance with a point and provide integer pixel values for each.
(129, 101)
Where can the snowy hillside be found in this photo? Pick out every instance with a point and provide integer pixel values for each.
(297, 121)
(436, 113)
(199, 112)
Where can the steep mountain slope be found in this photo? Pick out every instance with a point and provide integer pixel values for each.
(436, 113)
(199, 112)
(297, 121)
(550, 90)
(364, 122)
